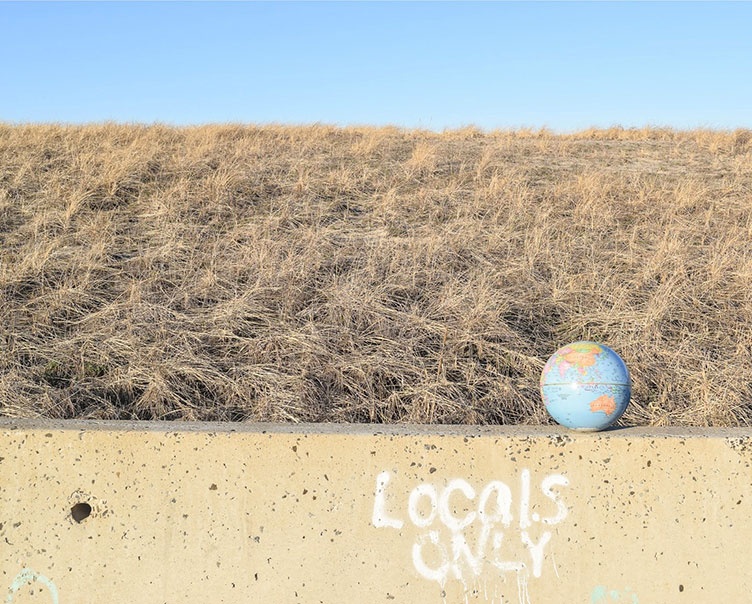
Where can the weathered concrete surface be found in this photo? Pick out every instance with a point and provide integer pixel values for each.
(341, 514)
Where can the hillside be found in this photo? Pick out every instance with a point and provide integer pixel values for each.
(369, 274)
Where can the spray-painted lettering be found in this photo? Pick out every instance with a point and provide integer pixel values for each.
(466, 529)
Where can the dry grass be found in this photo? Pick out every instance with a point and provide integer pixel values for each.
(369, 275)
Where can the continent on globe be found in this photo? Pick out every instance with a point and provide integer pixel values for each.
(603, 403)
(581, 355)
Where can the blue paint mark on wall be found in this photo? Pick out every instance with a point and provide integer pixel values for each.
(606, 596)
(26, 577)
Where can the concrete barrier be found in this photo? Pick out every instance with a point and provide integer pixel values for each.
(172, 513)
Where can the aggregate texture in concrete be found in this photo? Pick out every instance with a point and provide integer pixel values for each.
(154, 513)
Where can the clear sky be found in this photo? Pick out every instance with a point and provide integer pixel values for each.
(560, 65)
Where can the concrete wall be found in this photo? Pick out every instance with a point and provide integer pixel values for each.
(151, 513)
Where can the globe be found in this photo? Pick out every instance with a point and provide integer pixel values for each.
(585, 386)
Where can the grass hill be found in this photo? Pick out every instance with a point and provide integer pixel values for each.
(369, 274)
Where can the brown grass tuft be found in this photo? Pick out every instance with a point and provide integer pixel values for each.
(369, 274)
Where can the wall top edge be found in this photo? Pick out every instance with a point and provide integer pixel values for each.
(518, 431)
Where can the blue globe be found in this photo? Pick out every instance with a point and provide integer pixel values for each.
(585, 386)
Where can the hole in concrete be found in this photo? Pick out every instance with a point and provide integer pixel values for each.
(80, 511)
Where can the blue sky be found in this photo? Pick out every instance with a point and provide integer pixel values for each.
(561, 65)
